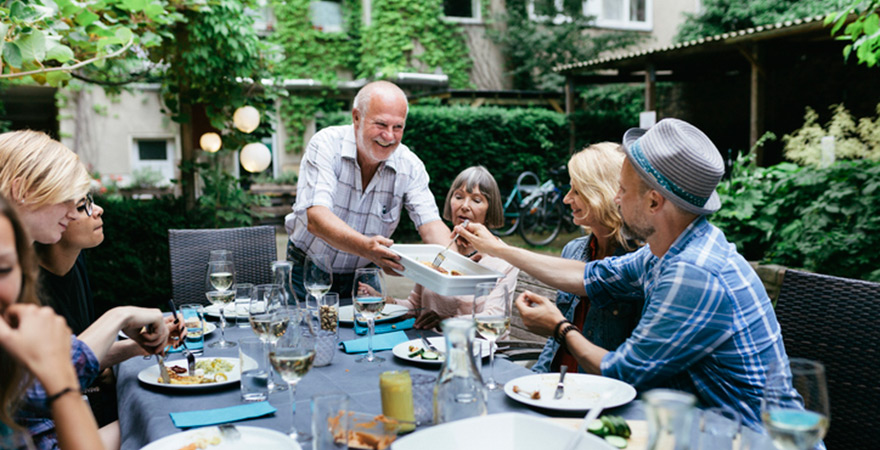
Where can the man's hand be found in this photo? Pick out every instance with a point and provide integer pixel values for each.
(481, 238)
(378, 252)
(538, 313)
(176, 331)
(146, 327)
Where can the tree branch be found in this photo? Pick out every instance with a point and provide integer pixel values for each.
(69, 68)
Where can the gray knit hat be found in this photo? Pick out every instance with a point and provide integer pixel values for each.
(678, 160)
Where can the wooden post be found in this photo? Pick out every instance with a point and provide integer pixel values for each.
(569, 110)
(650, 88)
(756, 102)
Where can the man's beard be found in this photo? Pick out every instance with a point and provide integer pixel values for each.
(633, 232)
(368, 150)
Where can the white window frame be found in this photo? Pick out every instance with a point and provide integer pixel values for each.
(168, 166)
(476, 12)
(264, 18)
(594, 8)
(558, 19)
(333, 28)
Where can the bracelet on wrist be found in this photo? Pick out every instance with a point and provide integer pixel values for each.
(557, 328)
(565, 330)
(51, 399)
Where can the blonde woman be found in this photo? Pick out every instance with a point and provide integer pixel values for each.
(43, 179)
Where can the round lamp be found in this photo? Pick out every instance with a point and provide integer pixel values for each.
(246, 119)
(210, 142)
(255, 157)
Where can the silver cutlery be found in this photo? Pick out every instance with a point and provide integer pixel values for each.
(428, 345)
(228, 431)
(440, 256)
(560, 386)
(163, 372)
(190, 358)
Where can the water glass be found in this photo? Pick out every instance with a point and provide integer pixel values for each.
(242, 299)
(254, 369)
(194, 319)
(330, 421)
(423, 397)
(718, 429)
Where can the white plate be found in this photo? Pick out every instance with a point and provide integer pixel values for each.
(581, 391)
(390, 312)
(251, 438)
(214, 311)
(402, 350)
(209, 328)
(413, 257)
(513, 431)
(150, 375)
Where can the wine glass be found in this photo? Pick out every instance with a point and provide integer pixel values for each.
(492, 319)
(317, 279)
(795, 407)
(292, 357)
(269, 317)
(221, 276)
(220, 255)
(368, 296)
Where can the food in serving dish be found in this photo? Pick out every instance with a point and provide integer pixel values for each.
(453, 272)
(207, 371)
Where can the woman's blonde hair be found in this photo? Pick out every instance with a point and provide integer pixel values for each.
(13, 374)
(478, 176)
(595, 175)
(48, 173)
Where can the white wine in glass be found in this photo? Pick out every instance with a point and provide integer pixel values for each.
(491, 313)
(317, 279)
(269, 319)
(368, 297)
(293, 357)
(221, 276)
(795, 407)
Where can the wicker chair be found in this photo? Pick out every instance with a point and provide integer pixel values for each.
(253, 251)
(835, 321)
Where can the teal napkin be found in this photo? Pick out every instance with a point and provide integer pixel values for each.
(189, 419)
(385, 327)
(385, 341)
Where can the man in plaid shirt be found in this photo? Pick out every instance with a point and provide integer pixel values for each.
(354, 182)
(707, 326)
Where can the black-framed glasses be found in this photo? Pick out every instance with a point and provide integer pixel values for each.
(86, 206)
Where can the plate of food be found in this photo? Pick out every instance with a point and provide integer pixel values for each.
(458, 275)
(390, 312)
(212, 438)
(581, 391)
(415, 351)
(210, 373)
(209, 328)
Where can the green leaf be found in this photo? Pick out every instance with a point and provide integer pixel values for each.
(60, 53)
(12, 54)
(57, 78)
(134, 5)
(33, 46)
(21, 12)
(872, 24)
(67, 8)
(3, 29)
(124, 35)
(86, 18)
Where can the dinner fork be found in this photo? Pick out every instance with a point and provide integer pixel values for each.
(440, 256)
(428, 345)
(190, 358)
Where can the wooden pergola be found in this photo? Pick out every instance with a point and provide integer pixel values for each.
(753, 52)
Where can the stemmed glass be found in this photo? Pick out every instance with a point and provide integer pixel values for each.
(317, 279)
(492, 320)
(795, 407)
(221, 276)
(368, 296)
(293, 356)
(269, 317)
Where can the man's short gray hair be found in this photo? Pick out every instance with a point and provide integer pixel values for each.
(363, 97)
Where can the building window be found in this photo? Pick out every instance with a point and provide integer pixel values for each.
(621, 14)
(327, 15)
(555, 11)
(467, 11)
(156, 154)
(264, 17)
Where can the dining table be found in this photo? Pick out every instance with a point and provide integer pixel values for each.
(144, 410)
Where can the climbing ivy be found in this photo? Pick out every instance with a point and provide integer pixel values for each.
(403, 36)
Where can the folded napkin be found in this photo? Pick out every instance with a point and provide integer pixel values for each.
(189, 419)
(385, 341)
(384, 327)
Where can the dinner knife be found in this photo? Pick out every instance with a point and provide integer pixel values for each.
(560, 387)
(162, 371)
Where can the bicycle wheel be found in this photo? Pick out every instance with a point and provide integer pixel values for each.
(511, 220)
(540, 220)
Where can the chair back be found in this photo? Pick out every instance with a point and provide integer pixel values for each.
(253, 251)
(835, 320)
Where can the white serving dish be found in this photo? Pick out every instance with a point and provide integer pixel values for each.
(412, 257)
(510, 431)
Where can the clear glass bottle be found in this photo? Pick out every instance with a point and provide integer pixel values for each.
(670, 418)
(459, 392)
(281, 274)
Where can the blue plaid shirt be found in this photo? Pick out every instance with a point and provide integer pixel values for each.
(36, 415)
(708, 326)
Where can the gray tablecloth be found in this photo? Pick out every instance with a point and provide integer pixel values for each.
(144, 410)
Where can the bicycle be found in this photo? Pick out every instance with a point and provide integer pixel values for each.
(543, 212)
(514, 202)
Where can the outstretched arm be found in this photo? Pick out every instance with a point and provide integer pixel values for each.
(327, 226)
